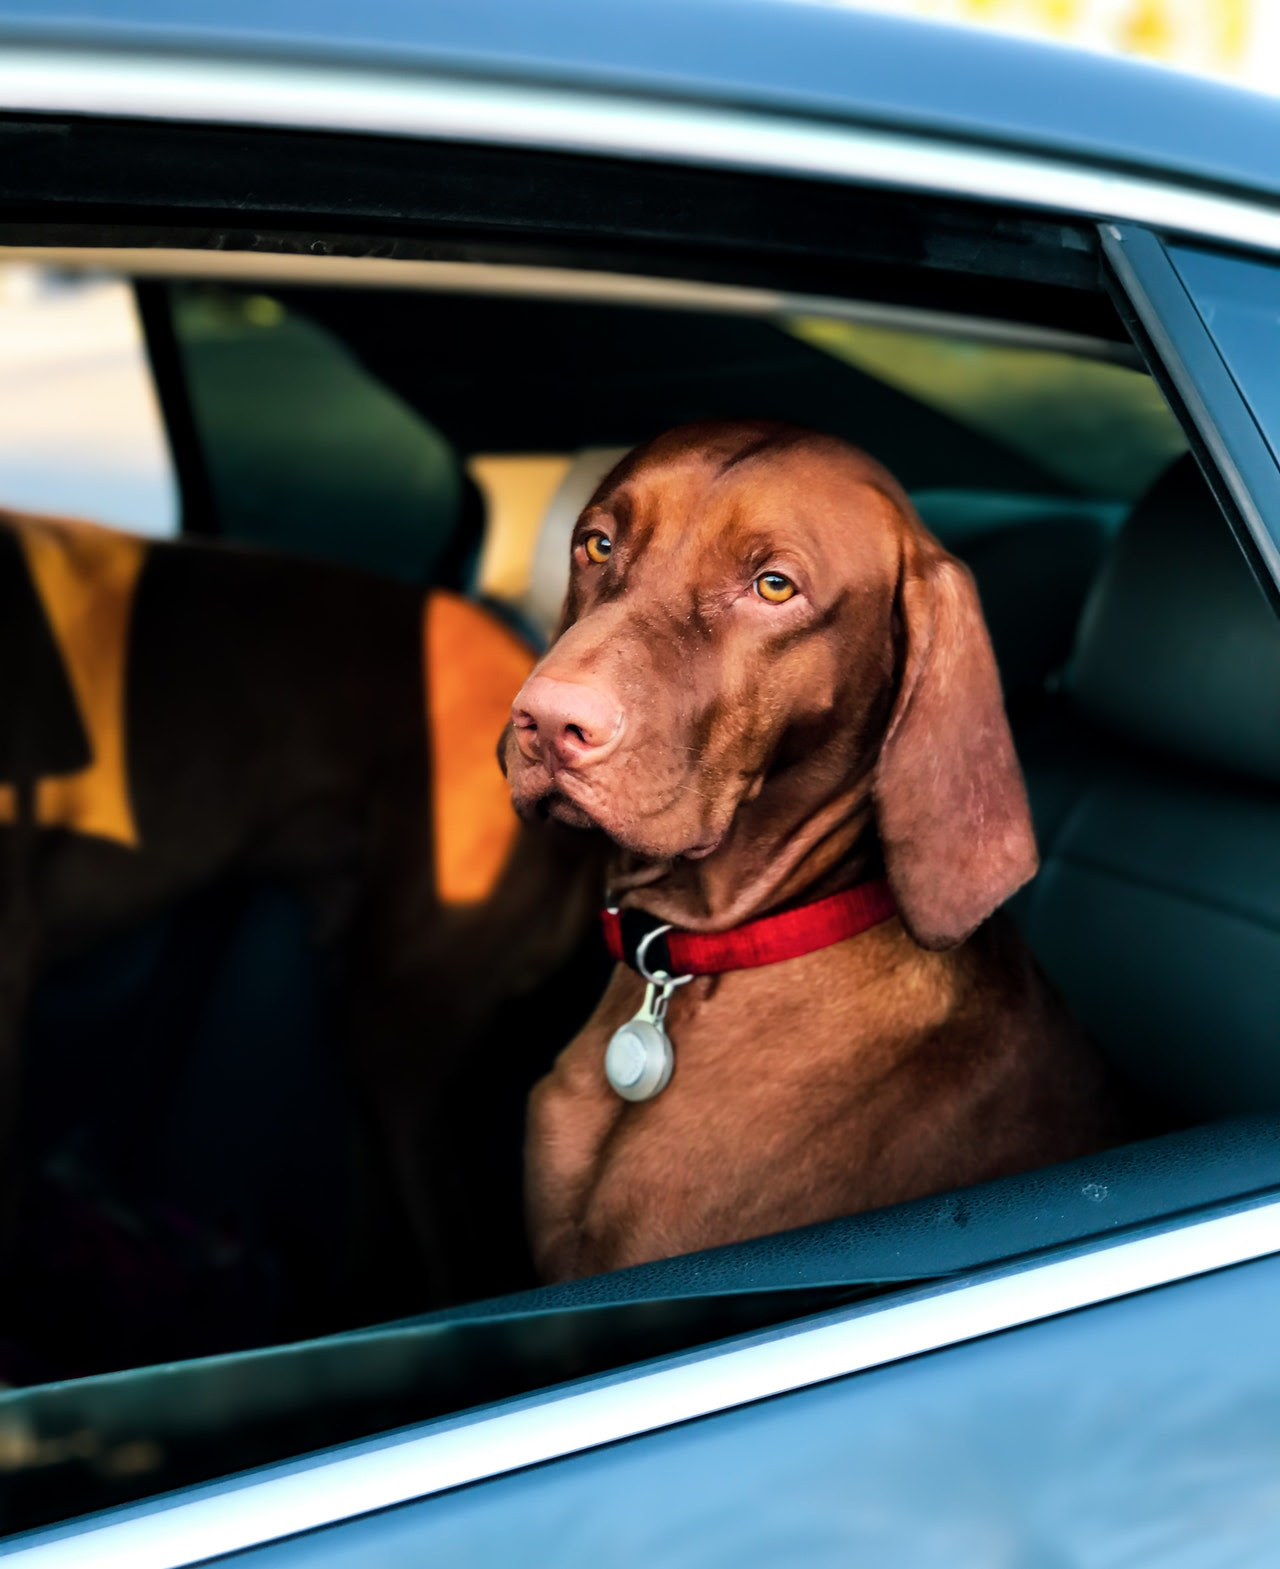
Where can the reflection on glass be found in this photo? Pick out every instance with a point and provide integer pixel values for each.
(1239, 301)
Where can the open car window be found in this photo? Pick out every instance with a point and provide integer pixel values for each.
(311, 431)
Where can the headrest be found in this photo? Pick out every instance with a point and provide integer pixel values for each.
(549, 571)
(309, 452)
(1178, 649)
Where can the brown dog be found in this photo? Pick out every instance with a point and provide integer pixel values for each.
(174, 713)
(771, 684)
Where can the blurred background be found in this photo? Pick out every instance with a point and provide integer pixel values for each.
(1237, 40)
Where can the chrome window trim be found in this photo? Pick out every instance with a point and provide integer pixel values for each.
(402, 103)
(343, 1484)
(578, 285)
(304, 1495)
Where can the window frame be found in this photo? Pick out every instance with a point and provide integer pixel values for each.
(1181, 354)
(242, 1511)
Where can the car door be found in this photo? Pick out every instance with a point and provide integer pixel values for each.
(1050, 1385)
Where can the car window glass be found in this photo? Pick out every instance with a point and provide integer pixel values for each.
(80, 429)
(1100, 427)
(305, 450)
(363, 425)
(532, 376)
(1239, 301)
(984, 435)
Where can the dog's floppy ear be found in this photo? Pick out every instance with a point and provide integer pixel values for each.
(950, 800)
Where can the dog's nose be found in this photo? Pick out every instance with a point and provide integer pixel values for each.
(573, 722)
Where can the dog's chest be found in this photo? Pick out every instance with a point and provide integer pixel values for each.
(761, 1063)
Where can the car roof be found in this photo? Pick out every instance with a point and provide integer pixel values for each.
(788, 56)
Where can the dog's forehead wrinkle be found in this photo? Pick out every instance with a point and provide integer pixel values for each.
(708, 536)
(728, 452)
(670, 498)
(768, 441)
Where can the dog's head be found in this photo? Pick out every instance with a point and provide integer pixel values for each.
(761, 651)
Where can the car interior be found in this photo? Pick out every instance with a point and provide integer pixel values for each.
(185, 1129)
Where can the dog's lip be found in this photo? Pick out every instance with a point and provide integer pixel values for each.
(538, 788)
(556, 804)
(569, 785)
(703, 848)
(566, 794)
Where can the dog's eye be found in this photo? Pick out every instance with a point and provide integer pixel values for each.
(599, 548)
(774, 587)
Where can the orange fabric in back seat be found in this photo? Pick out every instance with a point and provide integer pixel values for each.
(474, 666)
(86, 577)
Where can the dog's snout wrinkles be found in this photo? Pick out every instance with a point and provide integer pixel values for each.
(564, 721)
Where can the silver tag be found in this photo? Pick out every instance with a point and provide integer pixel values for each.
(638, 1060)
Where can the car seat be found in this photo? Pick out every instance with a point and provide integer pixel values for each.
(1033, 575)
(1154, 786)
(307, 452)
(188, 1068)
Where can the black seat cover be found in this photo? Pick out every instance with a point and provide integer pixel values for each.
(1156, 789)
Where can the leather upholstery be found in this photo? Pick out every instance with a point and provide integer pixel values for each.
(1157, 908)
(1178, 649)
(1033, 576)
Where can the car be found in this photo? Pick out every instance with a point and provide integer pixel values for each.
(410, 279)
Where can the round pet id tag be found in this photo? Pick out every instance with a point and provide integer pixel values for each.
(638, 1061)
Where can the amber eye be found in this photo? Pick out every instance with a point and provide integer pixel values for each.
(599, 548)
(774, 587)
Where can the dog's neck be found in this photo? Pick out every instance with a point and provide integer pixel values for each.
(780, 849)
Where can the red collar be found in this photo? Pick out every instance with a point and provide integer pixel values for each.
(769, 940)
